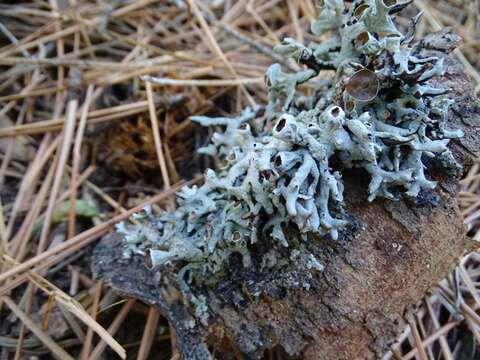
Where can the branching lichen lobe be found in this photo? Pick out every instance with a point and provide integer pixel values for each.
(281, 177)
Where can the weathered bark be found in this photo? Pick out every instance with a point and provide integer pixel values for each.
(391, 255)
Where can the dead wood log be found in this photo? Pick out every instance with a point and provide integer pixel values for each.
(391, 255)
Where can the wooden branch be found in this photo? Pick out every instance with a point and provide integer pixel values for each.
(390, 256)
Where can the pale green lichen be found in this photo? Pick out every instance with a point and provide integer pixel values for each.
(379, 113)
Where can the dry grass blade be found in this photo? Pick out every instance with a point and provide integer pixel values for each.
(71, 305)
(76, 161)
(209, 83)
(446, 351)
(418, 340)
(433, 337)
(33, 93)
(216, 48)
(21, 337)
(437, 26)
(88, 235)
(28, 182)
(156, 137)
(94, 117)
(148, 333)
(78, 311)
(64, 152)
(56, 350)
(3, 232)
(113, 328)
(89, 337)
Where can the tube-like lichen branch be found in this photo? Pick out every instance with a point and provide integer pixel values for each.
(281, 178)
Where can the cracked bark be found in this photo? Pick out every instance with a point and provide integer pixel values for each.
(390, 256)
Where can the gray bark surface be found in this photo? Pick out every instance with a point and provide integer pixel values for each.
(390, 256)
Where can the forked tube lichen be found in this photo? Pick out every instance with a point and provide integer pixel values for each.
(281, 177)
